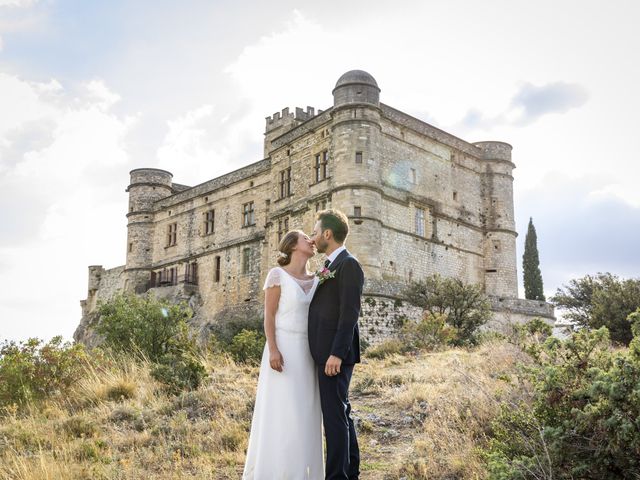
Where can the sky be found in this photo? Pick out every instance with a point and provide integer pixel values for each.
(90, 90)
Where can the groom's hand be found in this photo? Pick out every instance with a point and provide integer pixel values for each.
(332, 367)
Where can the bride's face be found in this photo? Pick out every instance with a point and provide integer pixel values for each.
(305, 246)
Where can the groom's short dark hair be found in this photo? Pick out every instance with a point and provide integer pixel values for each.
(336, 221)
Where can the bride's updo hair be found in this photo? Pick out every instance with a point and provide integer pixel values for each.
(287, 244)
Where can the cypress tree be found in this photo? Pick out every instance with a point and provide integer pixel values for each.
(531, 266)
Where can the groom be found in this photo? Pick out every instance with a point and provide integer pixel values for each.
(335, 343)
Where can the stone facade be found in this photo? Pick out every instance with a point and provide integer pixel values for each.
(419, 201)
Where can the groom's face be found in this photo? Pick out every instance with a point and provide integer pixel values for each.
(318, 239)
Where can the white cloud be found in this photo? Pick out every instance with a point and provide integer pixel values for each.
(17, 3)
(58, 200)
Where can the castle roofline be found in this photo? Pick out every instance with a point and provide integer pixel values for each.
(300, 127)
(429, 130)
(221, 181)
(150, 168)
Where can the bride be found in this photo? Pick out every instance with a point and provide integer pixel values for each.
(285, 442)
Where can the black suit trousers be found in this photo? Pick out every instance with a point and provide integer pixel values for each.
(343, 454)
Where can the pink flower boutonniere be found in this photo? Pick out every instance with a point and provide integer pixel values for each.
(324, 274)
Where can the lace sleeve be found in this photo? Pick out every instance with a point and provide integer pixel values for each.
(273, 278)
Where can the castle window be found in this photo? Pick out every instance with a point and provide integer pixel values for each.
(321, 205)
(130, 246)
(246, 257)
(172, 229)
(168, 276)
(216, 276)
(283, 227)
(285, 183)
(320, 167)
(358, 157)
(209, 221)
(191, 273)
(413, 175)
(357, 211)
(455, 195)
(420, 217)
(248, 217)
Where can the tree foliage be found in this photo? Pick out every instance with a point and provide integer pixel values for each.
(583, 418)
(465, 306)
(533, 289)
(600, 300)
(155, 329)
(32, 371)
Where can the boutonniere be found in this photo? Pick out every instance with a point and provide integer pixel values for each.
(324, 274)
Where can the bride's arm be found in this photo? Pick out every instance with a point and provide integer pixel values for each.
(271, 298)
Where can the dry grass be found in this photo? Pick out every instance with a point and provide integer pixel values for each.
(418, 417)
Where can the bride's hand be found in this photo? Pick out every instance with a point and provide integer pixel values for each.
(276, 361)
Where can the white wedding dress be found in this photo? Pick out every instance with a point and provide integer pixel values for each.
(286, 431)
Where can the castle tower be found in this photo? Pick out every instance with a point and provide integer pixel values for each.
(500, 239)
(147, 186)
(355, 156)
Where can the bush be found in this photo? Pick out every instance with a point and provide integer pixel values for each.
(582, 419)
(178, 371)
(158, 330)
(225, 331)
(31, 371)
(144, 325)
(465, 306)
(247, 346)
(602, 300)
(241, 337)
(429, 333)
(530, 334)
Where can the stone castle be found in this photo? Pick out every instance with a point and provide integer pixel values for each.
(419, 201)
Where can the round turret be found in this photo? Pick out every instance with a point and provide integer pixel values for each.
(146, 187)
(495, 150)
(356, 86)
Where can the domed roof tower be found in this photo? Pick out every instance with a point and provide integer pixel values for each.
(356, 86)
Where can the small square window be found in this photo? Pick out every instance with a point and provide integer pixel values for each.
(358, 157)
(357, 211)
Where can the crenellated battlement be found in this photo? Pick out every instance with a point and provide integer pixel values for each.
(290, 119)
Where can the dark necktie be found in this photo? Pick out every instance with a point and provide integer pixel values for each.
(326, 263)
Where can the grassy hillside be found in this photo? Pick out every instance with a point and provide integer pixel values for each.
(418, 417)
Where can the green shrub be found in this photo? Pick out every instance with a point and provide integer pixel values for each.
(465, 306)
(601, 300)
(225, 331)
(158, 330)
(144, 325)
(247, 346)
(33, 371)
(179, 371)
(529, 335)
(582, 419)
(430, 333)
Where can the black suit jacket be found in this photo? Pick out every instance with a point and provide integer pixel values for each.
(334, 312)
